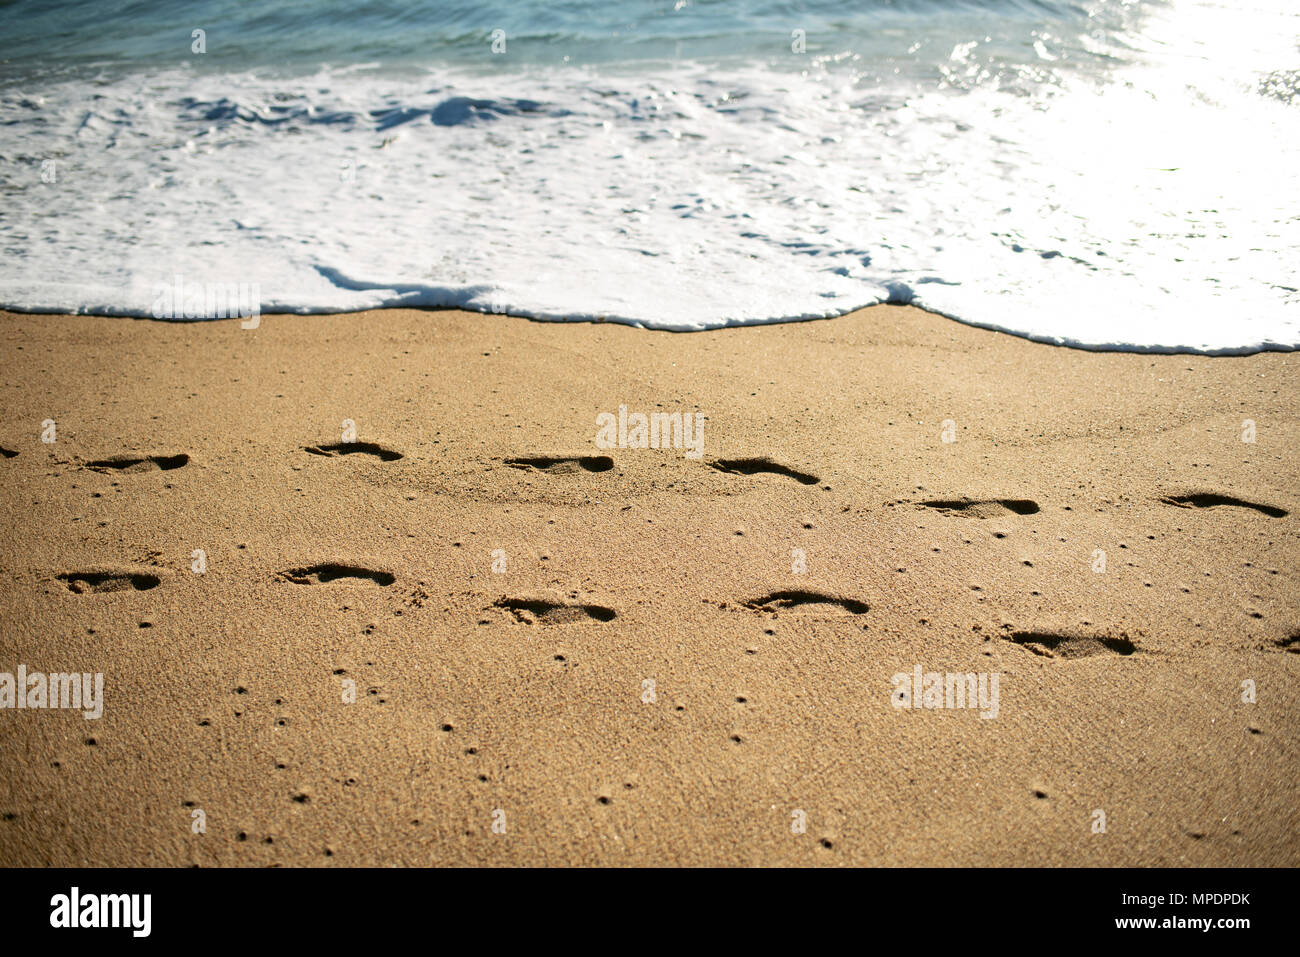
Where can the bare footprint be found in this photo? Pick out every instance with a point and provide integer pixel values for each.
(756, 466)
(333, 571)
(562, 464)
(1214, 499)
(546, 612)
(983, 507)
(146, 463)
(106, 581)
(1057, 645)
(793, 598)
(354, 448)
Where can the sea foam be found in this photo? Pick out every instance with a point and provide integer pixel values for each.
(1147, 206)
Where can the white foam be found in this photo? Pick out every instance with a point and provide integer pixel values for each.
(1133, 213)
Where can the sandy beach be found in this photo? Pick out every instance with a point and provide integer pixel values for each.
(566, 654)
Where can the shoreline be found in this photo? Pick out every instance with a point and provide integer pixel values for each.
(375, 560)
(1056, 341)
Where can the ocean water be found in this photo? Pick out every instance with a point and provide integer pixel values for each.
(1097, 173)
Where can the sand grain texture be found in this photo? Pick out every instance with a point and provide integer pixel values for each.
(522, 691)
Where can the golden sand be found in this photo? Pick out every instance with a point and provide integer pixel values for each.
(658, 659)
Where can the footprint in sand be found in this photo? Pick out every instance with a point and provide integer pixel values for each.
(335, 571)
(106, 581)
(7, 453)
(547, 612)
(983, 507)
(354, 448)
(1214, 499)
(1062, 645)
(757, 466)
(145, 463)
(562, 464)
(795, 598)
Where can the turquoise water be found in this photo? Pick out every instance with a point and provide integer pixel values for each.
(1096, 173)
(305, 35)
